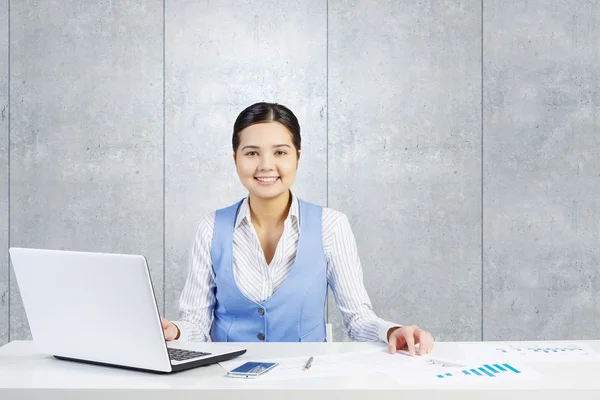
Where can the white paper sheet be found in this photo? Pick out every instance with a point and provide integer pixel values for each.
(400, 367)
(322, 366)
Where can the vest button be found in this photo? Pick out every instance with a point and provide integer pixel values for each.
(261, 311)
(260, 336)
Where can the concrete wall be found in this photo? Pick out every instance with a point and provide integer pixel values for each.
(541, 169)
(460, 138)
(405, 157)
(86, 148)
(4, 292)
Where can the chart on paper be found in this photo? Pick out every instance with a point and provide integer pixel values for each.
(533, 352)
(439, 371)
(485, 370)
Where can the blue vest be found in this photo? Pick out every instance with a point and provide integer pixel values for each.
(295, 312)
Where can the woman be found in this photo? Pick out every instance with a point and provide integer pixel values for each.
(259, 269)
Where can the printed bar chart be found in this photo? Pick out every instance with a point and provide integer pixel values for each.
(487, 370)
(547, 350)
(532, 352)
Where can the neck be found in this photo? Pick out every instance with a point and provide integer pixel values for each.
(270, 212)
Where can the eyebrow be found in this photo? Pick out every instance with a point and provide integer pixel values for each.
(274, 146)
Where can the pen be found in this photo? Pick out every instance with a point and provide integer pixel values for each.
(308, 364)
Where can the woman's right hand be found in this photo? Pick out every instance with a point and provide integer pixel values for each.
(170, 330)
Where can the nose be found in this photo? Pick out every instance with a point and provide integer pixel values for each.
(266, 163)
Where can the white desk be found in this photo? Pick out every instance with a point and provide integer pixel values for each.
(25, 374)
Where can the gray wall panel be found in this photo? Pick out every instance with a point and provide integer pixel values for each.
(402, 157)
(405, 157)
(542, 170)
(86, 131)
(4, 295)
(219, 61)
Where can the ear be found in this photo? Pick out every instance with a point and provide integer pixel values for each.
(235, 158)
(299, 153)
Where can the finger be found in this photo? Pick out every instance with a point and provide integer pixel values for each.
(419, 338)
(426, 341)
(164, 323)
(423, 346)
(410, 341)
(430, 342)
(400, 341)
(392, 343)
(396, 341)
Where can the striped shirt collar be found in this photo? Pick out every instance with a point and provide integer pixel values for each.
(244, 212)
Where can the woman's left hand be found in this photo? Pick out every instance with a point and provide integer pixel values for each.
(406, 337)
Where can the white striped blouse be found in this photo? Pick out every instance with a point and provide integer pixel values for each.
(258, 280)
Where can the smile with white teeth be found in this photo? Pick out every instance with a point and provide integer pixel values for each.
(267, 180)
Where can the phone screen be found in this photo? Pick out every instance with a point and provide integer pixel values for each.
(252, 368)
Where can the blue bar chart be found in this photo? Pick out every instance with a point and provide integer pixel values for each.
(486, 371)
(536, 352)
(547, 350)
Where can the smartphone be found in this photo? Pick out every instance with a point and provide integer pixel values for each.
(252, 369)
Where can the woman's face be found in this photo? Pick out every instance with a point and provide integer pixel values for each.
(266, 159)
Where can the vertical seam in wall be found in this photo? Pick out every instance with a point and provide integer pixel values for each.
(482, 171)
(327, 117)
(164, 266)
(8, 183)
(327, 102)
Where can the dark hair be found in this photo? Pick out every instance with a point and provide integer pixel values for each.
(266, 112)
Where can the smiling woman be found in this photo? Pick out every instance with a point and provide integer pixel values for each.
(259, 269)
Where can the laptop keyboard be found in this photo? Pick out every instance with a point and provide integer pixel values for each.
(182, 355)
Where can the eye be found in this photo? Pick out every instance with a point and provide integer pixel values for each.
(251, 153)
(280, 153)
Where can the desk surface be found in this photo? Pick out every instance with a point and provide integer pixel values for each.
(24, 373)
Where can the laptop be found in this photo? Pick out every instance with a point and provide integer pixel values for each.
(100, 308)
